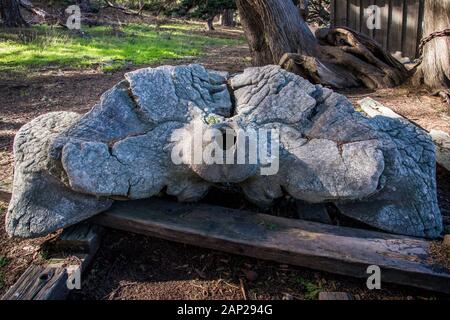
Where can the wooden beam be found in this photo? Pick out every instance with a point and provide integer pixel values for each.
(364, 30)
(347, 251)
(40, 282)
(82, 237)
(354, 14)
(49, 281)
(381, 35)
(412, 22)
(341, 13)
(396, 28)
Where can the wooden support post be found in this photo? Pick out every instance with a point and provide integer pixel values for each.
(82, 237)
(403, 260)
(50, 281)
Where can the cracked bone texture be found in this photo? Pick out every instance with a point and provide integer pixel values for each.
(68, 167)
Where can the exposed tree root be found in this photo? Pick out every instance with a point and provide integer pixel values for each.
(345, 58)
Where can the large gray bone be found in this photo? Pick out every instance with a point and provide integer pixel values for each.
(67, 168)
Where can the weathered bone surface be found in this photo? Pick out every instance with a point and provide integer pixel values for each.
(380, 171)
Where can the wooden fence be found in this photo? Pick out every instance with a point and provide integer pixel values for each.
(401, 22)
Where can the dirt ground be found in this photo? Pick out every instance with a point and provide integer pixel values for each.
(130, 266)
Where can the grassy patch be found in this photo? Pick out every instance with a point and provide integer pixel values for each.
(3, 261)
(312, 289)
(106, 47)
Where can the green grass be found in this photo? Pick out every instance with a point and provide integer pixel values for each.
(311, 289)
(138, 44)
(3, 261)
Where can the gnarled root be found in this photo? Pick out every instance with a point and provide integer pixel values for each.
(345, 59)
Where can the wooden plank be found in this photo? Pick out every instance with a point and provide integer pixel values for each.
(365, 4)
(354, 14)
(412, 28)
(380, 35)
(395, 34)
(333, 13)
(341, 13)
(420, 27)
(39, 283)
(335, 296)
(374, 108)
(341, 250)
(49, 282)
(82, 237)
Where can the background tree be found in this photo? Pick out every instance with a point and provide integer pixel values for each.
(434, 71)
(227, 18)
(85, 5)
(10, 14)
(340, 58)
(204, 9)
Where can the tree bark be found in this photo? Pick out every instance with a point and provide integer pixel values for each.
(434, 71)
(339, 58)
(227, 18)
(209, 24)
(10, 13)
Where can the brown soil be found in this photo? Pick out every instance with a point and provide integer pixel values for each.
(130, 266)
(427, 111)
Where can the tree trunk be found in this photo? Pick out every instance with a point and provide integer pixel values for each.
(10, 13)
(434, 71)
(227, 18)
(303, 8)
(209, 24)
(340, 58)
(85, 5)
